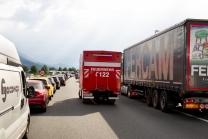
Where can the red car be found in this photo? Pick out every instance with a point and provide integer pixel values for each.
(40, 98)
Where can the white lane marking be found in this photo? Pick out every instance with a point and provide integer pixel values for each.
(192, 116)
(186, 114)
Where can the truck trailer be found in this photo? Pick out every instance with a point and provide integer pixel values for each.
(170, 68)
(99, 75)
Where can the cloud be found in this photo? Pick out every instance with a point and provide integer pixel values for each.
(52, 31)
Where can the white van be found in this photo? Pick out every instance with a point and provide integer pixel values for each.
(14, 108)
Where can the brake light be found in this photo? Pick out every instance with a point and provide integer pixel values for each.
(132, 91)
(86, 92)
(63, 81)
(190, 100)
(115, 92)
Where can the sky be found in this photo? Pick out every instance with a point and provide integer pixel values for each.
(57, 31)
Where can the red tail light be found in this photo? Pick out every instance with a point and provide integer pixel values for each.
(63, 81)
(38, 94)
(190, 100)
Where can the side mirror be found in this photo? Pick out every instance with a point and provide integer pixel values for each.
(30, 92)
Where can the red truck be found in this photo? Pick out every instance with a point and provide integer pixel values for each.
(100, 75)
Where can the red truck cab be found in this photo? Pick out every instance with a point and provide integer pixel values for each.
(100, 75)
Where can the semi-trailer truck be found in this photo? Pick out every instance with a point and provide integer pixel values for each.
(170, 67)
(99, 75)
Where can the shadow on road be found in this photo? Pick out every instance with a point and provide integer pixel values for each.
(131, 115)
(74, 107)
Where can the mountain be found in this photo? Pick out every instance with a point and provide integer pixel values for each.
(28, 62)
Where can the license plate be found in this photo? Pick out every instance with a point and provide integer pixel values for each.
(191, 106)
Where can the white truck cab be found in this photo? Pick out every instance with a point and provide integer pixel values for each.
(14, 108)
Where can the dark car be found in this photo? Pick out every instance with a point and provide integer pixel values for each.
(53, 83)
(58, 83)
(40, 98)
(62, 79)
(76, 76)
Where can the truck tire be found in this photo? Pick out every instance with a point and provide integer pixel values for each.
(148, 97)
(79, 94)
(84, 100)
(164, 102)
(129, 94)
(156, 99)
(111, 101)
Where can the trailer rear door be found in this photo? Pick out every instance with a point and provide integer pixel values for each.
(102, 70)
(197, 61)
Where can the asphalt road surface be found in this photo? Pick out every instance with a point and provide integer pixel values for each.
(68, 118)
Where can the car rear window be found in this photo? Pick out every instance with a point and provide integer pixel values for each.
(54, 78)
(35, 85)
(60, 78)
(44, 82)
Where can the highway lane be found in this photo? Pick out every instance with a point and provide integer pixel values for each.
(68, 118)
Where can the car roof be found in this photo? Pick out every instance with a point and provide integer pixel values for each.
(43, 78)
(33, 81)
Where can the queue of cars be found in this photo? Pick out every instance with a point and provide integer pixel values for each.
(45, 88)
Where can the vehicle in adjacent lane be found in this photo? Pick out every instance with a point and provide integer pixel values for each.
(53, 83)
(62, 79)
(58, 83)
(40, 98)
(47, 84)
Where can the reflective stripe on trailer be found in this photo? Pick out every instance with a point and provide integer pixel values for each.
(106, 64)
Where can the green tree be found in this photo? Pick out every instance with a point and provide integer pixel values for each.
(60, 69)
(45, 68)
(65, 69)
(25, 68)
(33, 69)
(72, 69)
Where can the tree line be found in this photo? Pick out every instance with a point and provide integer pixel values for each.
(33, 69)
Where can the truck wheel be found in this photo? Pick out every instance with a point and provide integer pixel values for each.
(111, 101)
(79, 94)
(84, 100)
(129, 94)
(163, 101)
(148, 97)
(156, 99)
